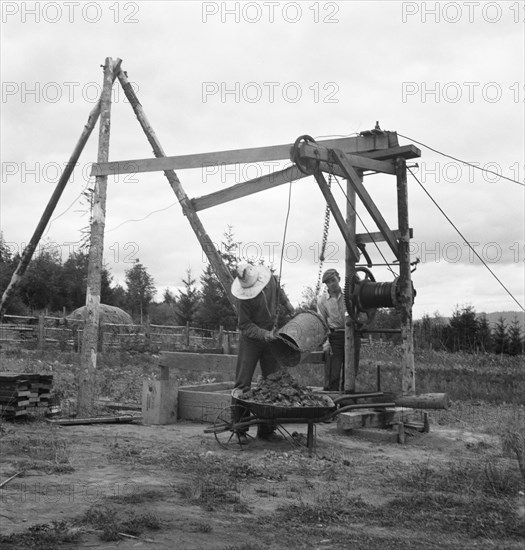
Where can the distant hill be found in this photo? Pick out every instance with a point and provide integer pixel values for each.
(509, 316)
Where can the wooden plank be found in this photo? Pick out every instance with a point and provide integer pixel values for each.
(249, 187)
(353, 144)
(361, 191)
(377, 236)
(319, 153)
(339, 220)
(404, 151)
(219, 363)
(213, 387)
(93, 420)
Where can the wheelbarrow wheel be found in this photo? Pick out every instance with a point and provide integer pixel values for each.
(233, 435)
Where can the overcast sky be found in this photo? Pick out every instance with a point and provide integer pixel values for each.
(215, 76)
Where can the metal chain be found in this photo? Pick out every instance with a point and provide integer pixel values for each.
(326, 227)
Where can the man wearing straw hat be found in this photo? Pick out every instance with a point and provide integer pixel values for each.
(331, 307)
(259, 297)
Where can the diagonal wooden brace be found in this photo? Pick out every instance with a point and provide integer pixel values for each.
(341, 223)
(353, 178)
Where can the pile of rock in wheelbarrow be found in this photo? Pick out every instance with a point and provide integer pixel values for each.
(280, 388)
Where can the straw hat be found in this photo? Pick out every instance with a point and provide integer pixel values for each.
(250, 280)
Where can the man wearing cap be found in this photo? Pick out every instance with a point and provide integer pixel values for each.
(259, 296)
(332, 309)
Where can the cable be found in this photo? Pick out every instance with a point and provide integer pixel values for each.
(285, 229)
(278, 303)
(462, 161)
(66, 210)
(466, 241)
(142, 219)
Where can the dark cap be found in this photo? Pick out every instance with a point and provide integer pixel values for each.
(329, 273)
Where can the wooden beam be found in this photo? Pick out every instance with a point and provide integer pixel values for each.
(404, 151)
(361, 191)
(406, 293)
(199, 362)
(352, 339)
(354, 144)
(339, 220)
(377, 236)
(321, 153)
(423, 401)
(88, 356)
(248, 188)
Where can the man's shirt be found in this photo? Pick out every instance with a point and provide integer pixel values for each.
(332, 310)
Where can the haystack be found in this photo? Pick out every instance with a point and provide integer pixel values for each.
(108, 315)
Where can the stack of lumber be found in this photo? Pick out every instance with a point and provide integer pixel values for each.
(22, 393)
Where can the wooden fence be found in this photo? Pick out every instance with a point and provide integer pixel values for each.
(45, 332)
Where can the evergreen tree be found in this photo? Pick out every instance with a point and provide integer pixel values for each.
(462, 330)
(515, 338)
(501, 339)
(188, 301)
(8, 263)
(41, 285)
(484, 335)
(215, 308)
(119, 297)
(140, 290)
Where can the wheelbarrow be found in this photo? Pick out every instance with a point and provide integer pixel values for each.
(234, 434)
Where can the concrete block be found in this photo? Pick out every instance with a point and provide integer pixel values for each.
(159, 401)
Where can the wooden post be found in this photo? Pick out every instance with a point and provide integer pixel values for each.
(221, 338)
(88, 357)
(352, 339)
(406, 299)
(41, 332)
(51, 205)
(187, 334)
(217, 263)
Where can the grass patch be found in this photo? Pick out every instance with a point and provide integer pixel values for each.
(212, 492)
(138, 497)
(474, 516)
(112, 522)
(44, 536)
(488, 477)
(45, 451)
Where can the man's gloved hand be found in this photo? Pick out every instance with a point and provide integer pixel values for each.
(270, 335)
(327, 348)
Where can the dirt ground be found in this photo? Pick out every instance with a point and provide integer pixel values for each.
(91, 482)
